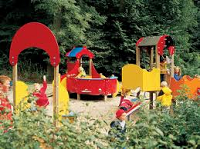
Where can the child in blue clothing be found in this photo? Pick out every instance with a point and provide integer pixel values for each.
(118, 128)
(177, 73)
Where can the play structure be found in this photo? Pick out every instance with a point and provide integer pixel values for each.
(191, 86)
(91, 84)
(134, 76)
(37, 35)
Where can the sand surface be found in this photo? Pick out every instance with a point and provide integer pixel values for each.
(93, 106)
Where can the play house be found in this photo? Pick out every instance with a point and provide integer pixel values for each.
(148, 80)
(92, 83)
(134, 76)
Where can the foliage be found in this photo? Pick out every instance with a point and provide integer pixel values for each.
(72, 23)
(32, 130)
(109, 28)
(156, 129)
(65, 18)
(129, 20)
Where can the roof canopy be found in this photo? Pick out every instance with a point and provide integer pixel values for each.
(160, 41)
(78, 52)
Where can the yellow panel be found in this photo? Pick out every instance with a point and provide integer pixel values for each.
(63, 99)
(117, 90)
(64, 82)
(21, 96)
(151, 80)
(133, 76)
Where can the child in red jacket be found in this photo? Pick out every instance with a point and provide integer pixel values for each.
(42, 100)
(5, 106)
(125, 103)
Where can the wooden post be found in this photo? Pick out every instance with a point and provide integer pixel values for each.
(67, 62)
(172, 67)
(105, 97)
(78, 96)
(137, 56)
(151, 100)
(55, 95)
(14, 86)
(151, 58)
(157, 58)
(90, 67)
(81, 61)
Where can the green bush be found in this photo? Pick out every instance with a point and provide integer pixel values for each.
(154, 129)
(32, 130)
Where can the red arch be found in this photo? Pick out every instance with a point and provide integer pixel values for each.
(37, 35)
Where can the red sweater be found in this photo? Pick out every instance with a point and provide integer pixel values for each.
(42, 97)
(125, 103)
(5, 105)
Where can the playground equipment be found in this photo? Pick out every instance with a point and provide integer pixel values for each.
(37, 35)
(21, 94)
(192, 85)
(150, 81)
(147, 81)
(94, 83)
(133, 76)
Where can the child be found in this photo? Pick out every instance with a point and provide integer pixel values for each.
(164, 95)
(197, 76)
(118, 126)
(102, 76)
(42, 100)
(4, 102)
(163, 68)
(125, 103)
(177, 73)
(81, 73)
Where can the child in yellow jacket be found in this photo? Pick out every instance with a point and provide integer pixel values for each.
(164, 95)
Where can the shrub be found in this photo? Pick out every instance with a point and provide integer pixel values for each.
(154, 129)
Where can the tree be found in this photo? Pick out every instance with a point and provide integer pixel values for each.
(129, 20)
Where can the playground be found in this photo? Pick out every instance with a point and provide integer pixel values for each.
(84, 92)
(93, 106)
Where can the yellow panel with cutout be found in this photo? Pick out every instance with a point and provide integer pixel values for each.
(133, 76)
